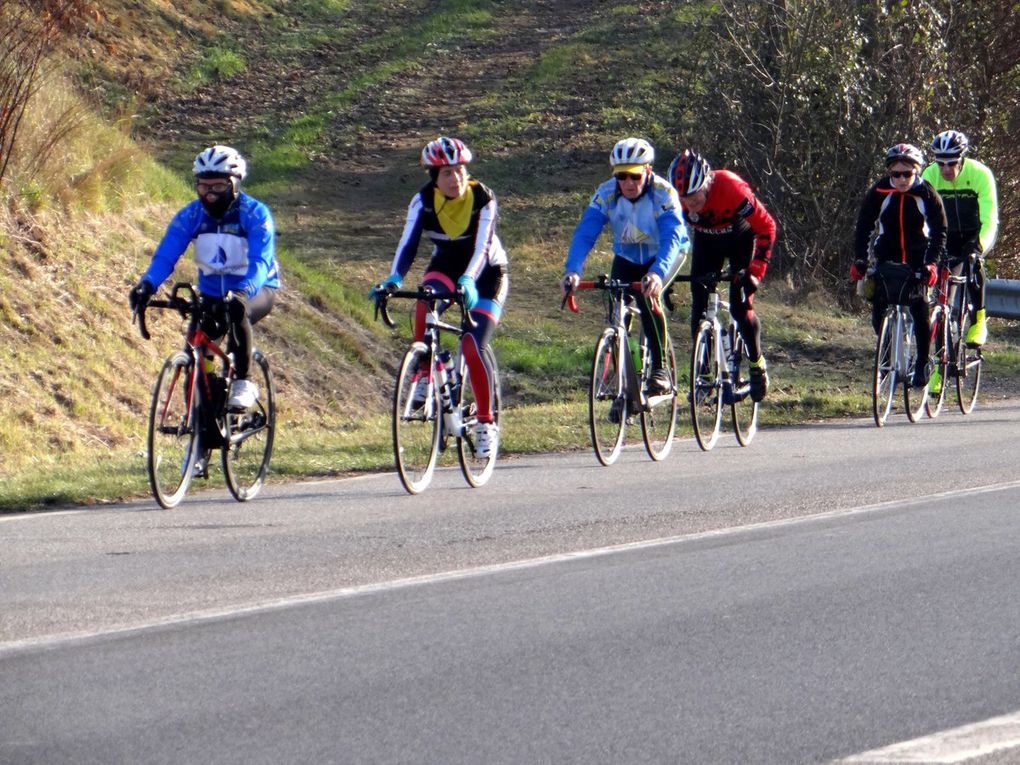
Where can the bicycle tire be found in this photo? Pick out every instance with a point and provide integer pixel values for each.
(249, 437)
(416, 430)
(940, 354)
(914, 399)
(477, 471)
(743, 408)
(607, 400)
(968, 367)
(171, 449)
(706, 388)
(884, 376)
(658, 419)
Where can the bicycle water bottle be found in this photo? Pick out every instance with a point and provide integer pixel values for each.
(635, 353)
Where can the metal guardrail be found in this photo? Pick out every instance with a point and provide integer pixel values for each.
(1002, 298)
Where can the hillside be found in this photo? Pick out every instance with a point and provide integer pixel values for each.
(331, 102)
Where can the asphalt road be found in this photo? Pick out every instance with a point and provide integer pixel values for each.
(832, 589)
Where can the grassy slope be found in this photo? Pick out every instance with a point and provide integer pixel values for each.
(332, 100)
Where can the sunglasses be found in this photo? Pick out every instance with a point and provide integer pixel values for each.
(901, 173)
(628, 176)
(219, 187)
(947, 162)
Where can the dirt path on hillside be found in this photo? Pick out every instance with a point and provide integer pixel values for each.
(347, 216)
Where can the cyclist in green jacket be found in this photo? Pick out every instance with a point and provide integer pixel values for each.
(967, 188)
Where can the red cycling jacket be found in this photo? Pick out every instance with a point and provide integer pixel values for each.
(731, 210)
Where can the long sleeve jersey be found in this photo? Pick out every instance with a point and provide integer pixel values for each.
(911, 224)
(731, 209)
(972, 206)
(234, 253)
(646, 229)
(467, 244)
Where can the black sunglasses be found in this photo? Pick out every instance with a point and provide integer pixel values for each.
(901, 173)
(628, 176)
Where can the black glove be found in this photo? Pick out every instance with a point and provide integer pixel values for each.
(139, 296)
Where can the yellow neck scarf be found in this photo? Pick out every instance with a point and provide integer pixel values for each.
(454, 214)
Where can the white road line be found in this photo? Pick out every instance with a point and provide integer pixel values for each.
(49, 641)
(948, 746)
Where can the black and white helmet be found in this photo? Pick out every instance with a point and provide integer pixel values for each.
(220, 160)
(632, 151)
(904, 152)
(950, 144)
(689, 172)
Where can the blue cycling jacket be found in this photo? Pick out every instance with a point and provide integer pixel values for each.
(648, 230)
(235, 253)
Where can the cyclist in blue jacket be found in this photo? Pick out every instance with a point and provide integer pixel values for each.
(235, 250)
(650, 241)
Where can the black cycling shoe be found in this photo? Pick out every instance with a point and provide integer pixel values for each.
(659, 383)
(759, 382)
(615, 410)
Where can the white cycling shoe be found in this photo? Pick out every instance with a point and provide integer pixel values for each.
(243, 395)
(486, 439)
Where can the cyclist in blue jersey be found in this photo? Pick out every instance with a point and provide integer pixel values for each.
(650, 241)
(235, 250)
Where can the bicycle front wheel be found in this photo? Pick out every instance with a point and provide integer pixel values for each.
(477, 470)
(607, 400)
(172, 438)
(884, 379)
(743, 407)
(250, 437)
(416, 423)
(914, 399)
(706, 388)
(941, 350)
(968, 368)
(658, 419)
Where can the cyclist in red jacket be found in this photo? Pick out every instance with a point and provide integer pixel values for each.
(727, 221)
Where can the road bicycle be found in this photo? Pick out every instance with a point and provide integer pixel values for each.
(720, 370)
(189, 417)
(422, 429)
(951, 356)
(620, 372)
(895, 348)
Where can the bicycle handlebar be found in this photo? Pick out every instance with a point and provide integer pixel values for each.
(422, 293)
(604, 283)
(184, 306)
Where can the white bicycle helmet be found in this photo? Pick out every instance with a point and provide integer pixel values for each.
(445, 152)
(950, 144)
(220, 160)
(632, 151)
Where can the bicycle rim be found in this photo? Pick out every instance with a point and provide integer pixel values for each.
(477, 470)
(171, 448)
(658, 420)
(606, 400)
(884, 379)
(415, 429)
(706, 384)
(968, 373)
(940, 363)
(743, 408)
(250, 437)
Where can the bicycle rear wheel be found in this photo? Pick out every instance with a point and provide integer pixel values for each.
(658, 420)
(607, 400)
(416, 424)
(968, 368)
(706, 388)
(884, 379)
(250, 437)
(941, 354)
(173, 422)
(743, 408)
(477, 470)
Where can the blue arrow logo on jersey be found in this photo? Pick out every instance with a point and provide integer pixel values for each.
(220, 259)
